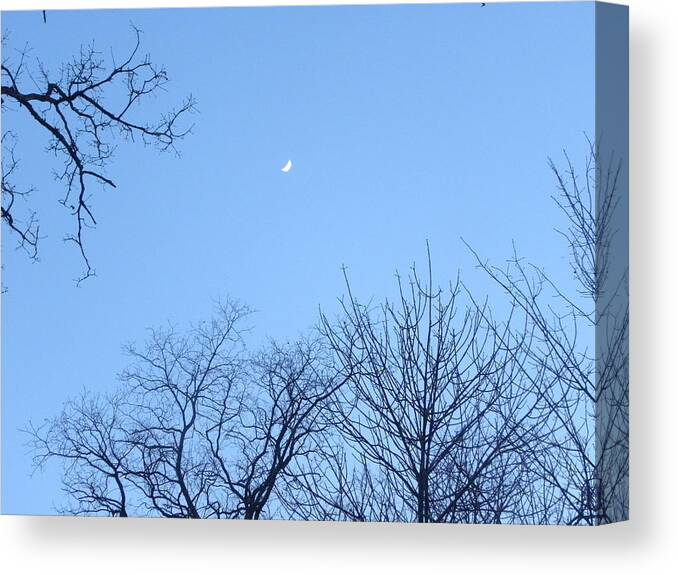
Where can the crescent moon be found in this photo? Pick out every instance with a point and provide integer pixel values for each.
(287, 167)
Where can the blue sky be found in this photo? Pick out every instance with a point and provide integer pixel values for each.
(404, 123)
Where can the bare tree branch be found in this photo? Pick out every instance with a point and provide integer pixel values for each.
(82, 110)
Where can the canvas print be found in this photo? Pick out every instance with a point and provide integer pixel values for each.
(347, 263)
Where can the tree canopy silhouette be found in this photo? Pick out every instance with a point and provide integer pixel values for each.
(428, 407)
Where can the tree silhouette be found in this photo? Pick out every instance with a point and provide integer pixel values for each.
(147, 438)
(90, 438)
(199, 428)
(255, 444)
(81, 110)
(589, 393)
(437, 420)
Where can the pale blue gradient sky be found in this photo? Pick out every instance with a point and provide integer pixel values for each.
(404, 123)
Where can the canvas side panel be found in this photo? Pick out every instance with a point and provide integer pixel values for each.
(612, 261)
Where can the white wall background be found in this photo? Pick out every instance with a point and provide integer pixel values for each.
(648, 543)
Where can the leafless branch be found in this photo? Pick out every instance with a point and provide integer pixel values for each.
(82, 110)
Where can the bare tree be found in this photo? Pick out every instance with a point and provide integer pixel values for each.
(256, 446)
(589, 204)
(435, 409)
(199, 428)
(174, 379)
(81, 110)
(588, 445)
(143, 449)
(90, 439)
